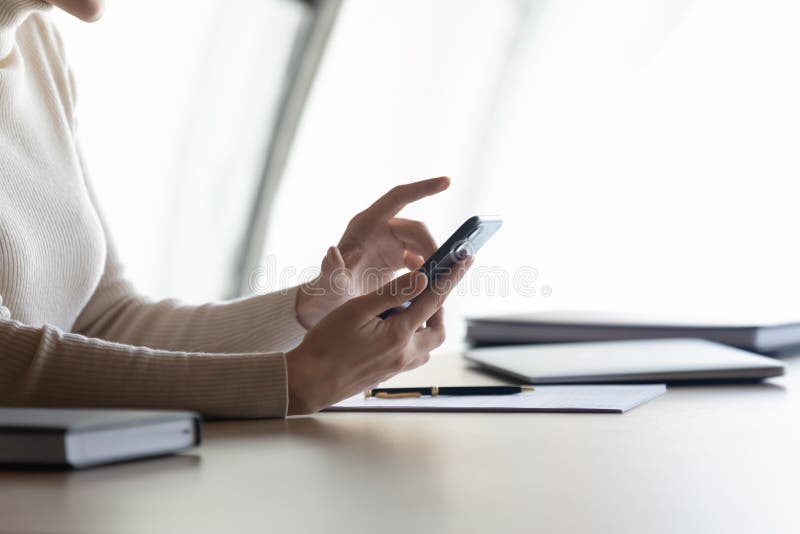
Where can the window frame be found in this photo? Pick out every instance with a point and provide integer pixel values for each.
(308, 51)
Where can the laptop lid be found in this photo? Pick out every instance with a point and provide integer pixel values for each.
(625, 361)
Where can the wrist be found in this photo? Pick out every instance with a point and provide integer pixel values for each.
(314, 301)
(296, 384)
(310, 305)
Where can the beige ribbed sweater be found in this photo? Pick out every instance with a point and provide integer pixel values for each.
(72, 330)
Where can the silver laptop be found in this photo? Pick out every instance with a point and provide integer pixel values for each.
(625, 361)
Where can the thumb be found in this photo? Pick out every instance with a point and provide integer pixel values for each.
(332, 261)
(392, 294)
(333, 275)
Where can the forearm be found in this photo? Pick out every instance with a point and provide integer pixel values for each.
(47, 367)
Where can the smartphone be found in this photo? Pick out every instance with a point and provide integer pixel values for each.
(466, 241)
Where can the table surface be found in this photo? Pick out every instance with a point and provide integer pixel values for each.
(702, 458)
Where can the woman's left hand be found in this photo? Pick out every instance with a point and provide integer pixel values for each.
(375, 245)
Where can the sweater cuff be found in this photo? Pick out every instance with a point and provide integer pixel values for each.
(273, 322)
(270, 387)
(286, 302)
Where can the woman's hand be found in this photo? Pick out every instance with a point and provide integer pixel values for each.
(352, 350)
(374, 246)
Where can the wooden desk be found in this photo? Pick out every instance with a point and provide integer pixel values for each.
(700, 459)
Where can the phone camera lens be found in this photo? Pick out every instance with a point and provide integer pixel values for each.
(462, 251)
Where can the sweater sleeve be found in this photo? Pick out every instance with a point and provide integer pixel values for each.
(47, 367)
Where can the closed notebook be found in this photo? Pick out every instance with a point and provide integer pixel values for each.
(85, 437)
(766, 337)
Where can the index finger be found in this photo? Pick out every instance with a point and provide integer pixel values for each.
(399, 196)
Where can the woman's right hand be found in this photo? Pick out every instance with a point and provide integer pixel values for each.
(352, 349)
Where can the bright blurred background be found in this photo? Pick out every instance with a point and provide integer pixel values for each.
(643, 153)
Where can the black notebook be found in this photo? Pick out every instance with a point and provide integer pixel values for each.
(84, 437)
(575, 326)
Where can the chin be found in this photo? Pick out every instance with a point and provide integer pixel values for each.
(91, 10)
(86, 10)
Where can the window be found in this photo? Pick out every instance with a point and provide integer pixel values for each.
(405, 91)
(177, 101)
(642, 153)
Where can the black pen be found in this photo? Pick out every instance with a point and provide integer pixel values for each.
(433, 391)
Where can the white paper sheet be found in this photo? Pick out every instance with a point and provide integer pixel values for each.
(589, 398)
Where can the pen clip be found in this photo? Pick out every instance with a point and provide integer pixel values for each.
(397, 395)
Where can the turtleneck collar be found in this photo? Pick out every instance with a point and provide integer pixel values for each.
(12, 14)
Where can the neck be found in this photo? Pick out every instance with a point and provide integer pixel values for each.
(12, 14)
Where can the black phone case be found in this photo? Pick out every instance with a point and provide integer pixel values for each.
(464, 242)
